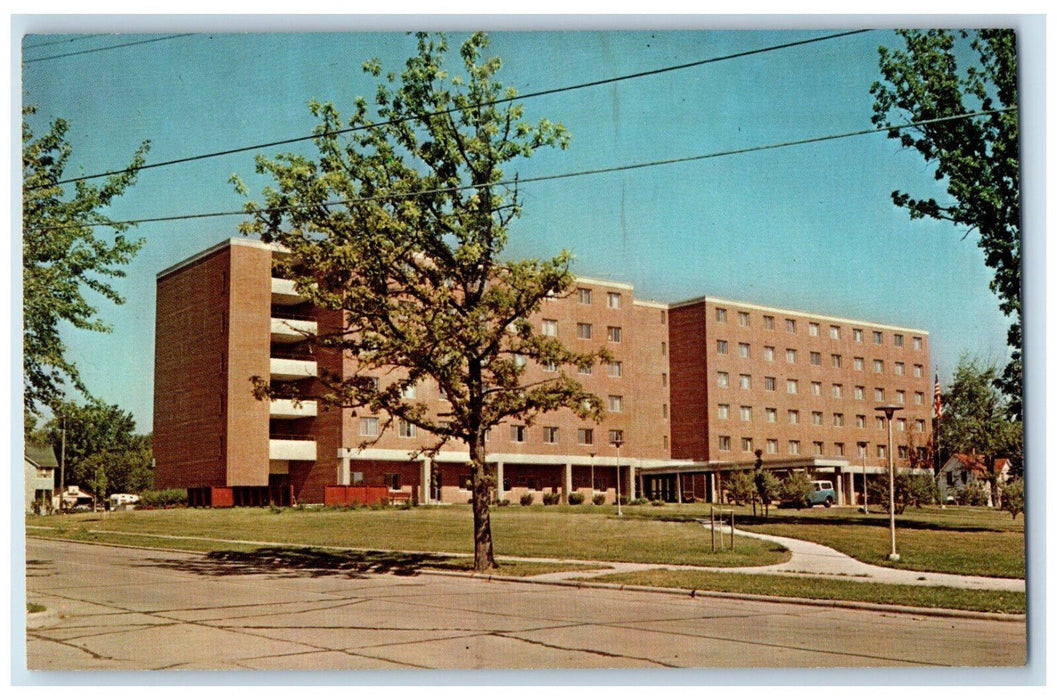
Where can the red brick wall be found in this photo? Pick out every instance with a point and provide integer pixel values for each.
(688, 382)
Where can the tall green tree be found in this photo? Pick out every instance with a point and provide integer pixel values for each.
(63, 258)
(401, 224)
(977, 159)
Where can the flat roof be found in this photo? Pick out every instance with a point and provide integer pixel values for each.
(248, 242)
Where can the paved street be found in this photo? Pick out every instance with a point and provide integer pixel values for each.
(130, 609)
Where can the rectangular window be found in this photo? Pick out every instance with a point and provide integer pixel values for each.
(746, 413)
(616, 403)
(816, 418)
(878, 338)
(664, 317)
(583, 331)
(790, 325)
(550, 434)
(772, 415)
(901, 397)
(613, 334)
(861, 452)
(721, 347)
(860, 393)
(405, 429)
(838, 449)
(838, 391)
(612, 300)
(816, 359)
(898, 368)
(585, 436)
(881, 452)
(794, 417)
(791, 386)
(918, 371)
(616, 369)
(919, 425)
(878, 366)
(745, 381)
(721, 315)
(768, 322)
(722, 380)
(550, 367)
(903, 452)
(857, 334)
(834, 332)
(919, 398)
(724, 443)
(790, 356)
(837, 362)
(794, 447)
(746, 444)
(664, 410)
(897, 340)
(586, 369)
(743, 318)
(392, 480)
(723, 411)
(858, 364)
(550, 327)
(768, 354)
(769, 383)
(664, 379)
(584, 295)
(816, 388)
(409, 392)
(616, 436)
(812, 329)
(860, 421)
(664, 349)
(743, 350)
(878, 394)
(772, 446)
(879, 423)
(838, 420)
(901, 425)
(917, 342)
(816, 447)
(369, 427)
(517, 433)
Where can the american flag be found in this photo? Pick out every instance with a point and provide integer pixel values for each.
(937, 405)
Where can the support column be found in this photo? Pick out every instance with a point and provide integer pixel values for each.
(838, 485)
(678, 488)
(631, 482)
(344, 475)
(568, 483)
(425, 480)
(711, 486)
(499, 481)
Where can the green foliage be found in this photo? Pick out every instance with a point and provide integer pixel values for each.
(526, 499)
(1013, 497)
(402, 225)
(163, 498)
(552, 499)
(795, 489)
(741, 487)
(972, 494)
(917, 489)
(576, 498)
(62, 258)
(977, 159)
(598, 499)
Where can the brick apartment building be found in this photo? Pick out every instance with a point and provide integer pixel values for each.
(693, 389)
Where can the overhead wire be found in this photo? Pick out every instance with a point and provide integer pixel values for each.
(542, 178)
(105, 48)
(67, 40)
(528, 95)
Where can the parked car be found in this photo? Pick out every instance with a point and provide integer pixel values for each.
(822, 492)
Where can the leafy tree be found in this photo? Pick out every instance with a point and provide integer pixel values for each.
(769, 490)
(975, 420)
(1013, 497)
(976, 158)
(911, 490)
(62, 258)
(741, 488)
(401, 225)
(796, 489)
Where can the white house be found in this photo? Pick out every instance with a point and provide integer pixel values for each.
(962, 470)
(40, 466)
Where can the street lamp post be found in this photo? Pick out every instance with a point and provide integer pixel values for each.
(889, 410)
(617, 442)
(863, 444)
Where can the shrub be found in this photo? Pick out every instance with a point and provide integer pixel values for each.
(598, 499)
(504, 502)
(526, 499)
(163, 498)
(917, 490)
(552, 499)
(656, 502)
(972, 494)
(639, 502)
(741, 487)
(1013, 497)
(576, 498)
(796, 489)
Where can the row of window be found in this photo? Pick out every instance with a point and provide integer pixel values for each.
(369, 427)
(818, 448)
(814, 329)
(793, 417)
(792, 386)
(815, 358)
(614, 300)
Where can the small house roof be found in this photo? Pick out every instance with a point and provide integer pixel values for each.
(41, 455)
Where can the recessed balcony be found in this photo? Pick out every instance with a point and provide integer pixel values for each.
(284, 293)
(292, 447)
(285, 409)
(292, 330)
(288, 369)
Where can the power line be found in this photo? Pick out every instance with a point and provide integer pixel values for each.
(104, 48)
(558, 176)
(68, 40)
(528, 95)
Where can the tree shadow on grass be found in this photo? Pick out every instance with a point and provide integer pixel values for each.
(297, 562)
(784, 516)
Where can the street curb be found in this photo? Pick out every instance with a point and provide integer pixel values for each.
(682, 592)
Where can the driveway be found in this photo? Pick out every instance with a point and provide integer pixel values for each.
(132, 609)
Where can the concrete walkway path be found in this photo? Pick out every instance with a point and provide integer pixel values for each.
(815, 560)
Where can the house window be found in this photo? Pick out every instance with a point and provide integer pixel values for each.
(664, 349)
(901, 425)
(583, 331)
(520, 361)
(901, 397)
(392, 480)
(550, 367)
(861, 452)
(794, 417)
(816, 447)
(768, 354)
(743, 318)
(858, 364)
(790, 325)
(816, 388)
(586, 369)
(836, 361)
(664, 439)
(768, 322)
(918, 371)
(860, 393)
(791, 386)
(838, 420)
(517, 433)
(722, 380)
(584, 295)
(721, 347)
(405, 429)
(613, 300)
(772, 415)
(409, 392)
(880, 423)
(794, 447)
(664, 317)
(743, 350)
(769, 383)
(816, 359)
(550, 327)
(878, 394)
(724, 443)
(616, 436)
(616, 403)
(816, 418)
(746, 444)
(664, 379)
(550, 434)
(878, 338)
(772, 446)
(745, 381)
(917, 342)
(746, 413)
(860, 421)
(585, 436)
(369, 427)
(838, 391)
(812, 329)
(790, 356)
(904, 452)
(919, 425)
(838, 449)
(878, 366)
(919, 398)
(616, 369)
(613, 334)
(834, 332)
(664, 410)
(857, 334)
(721, 315)
(897, 340)
(881, 452)
(723, 411)
(898, 369)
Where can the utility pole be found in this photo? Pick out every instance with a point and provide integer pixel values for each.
(62, 464)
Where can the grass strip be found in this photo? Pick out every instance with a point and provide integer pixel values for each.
(824, 589)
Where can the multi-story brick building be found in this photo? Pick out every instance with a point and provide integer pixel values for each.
(694, 388)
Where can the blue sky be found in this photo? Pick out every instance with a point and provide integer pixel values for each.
(807, 227)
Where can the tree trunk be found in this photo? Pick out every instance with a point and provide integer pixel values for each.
(483, 559)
